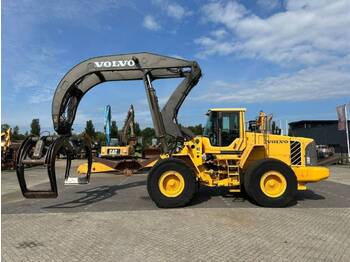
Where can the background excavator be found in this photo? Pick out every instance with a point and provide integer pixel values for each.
(124, 145)
(118, 150)
(270, 168)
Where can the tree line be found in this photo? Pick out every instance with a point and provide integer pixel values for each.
(147, 133)
(15, 133)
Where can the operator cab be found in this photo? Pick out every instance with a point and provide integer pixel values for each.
(224, 125)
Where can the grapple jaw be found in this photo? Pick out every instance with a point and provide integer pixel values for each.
(45, 150)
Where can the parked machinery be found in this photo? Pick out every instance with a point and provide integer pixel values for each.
(125, 146)
(324, 151)
(120, 154)
(8, 150)
(271, 168)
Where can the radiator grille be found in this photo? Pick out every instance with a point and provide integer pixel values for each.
(295, 153)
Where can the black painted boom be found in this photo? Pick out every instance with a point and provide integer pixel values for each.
(138, 66)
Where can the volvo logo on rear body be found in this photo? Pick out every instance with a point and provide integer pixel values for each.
(277, 141)
(118, 63)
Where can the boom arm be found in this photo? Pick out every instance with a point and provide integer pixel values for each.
(107, 126)
(129, 122)
(139, 66)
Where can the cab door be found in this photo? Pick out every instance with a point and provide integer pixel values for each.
(227, 134)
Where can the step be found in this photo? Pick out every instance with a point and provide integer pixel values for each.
(234, 190)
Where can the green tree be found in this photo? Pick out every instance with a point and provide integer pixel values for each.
(15, 131)
(4, 127)
(90, 129)
(16, 135)
(197, 129)
(137, 129)
(100, 138)
(148, 133)
(275, 129)
(35, 127)
(114, 129)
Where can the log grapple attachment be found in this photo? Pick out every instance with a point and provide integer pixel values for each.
(46, 150)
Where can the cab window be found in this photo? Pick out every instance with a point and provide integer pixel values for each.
(222, 128)
(230, 127)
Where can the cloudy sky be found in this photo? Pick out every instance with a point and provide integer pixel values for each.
(289, 58)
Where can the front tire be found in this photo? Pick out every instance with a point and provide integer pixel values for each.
(270, 183)
(171, 183)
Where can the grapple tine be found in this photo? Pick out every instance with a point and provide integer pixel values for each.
(22, 160)
(82, 179)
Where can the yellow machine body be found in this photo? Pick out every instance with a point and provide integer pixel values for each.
(243, 152)
(107, 152)
(97, 167)
(6, 139)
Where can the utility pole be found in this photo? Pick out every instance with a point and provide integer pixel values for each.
(281, 127)
(347, 129)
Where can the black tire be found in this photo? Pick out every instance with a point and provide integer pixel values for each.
(254, 174)
(186, 172)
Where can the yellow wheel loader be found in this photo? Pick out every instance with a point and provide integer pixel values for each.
(270, 168)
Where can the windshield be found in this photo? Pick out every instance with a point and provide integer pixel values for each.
(209, 130)
(209, 126)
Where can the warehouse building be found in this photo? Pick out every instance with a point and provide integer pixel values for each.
(324, 132)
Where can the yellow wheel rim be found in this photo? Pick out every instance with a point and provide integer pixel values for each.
(273, 184)
(171, 184)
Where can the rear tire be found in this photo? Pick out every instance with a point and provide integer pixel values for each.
(270, 183)
(171, 183)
